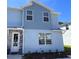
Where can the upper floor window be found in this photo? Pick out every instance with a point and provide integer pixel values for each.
(46, 17)
(29, 15)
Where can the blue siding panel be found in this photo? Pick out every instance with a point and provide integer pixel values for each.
(14, 18)
(37, 22)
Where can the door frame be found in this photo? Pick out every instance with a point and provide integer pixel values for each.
(13, 40)
(23, 36)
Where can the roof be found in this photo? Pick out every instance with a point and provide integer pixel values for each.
(13, 8)
(30, 4)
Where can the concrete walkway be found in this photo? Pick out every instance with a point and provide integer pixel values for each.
(14, 57)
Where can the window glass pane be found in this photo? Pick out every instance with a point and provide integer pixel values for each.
(48, 38)
(48, 35)
(15, 44)
(29, 17)
(29, 12)
(41, 38)
(45, 18)
(45, 14)
(48, 41)
(15, 37)
(42, 41)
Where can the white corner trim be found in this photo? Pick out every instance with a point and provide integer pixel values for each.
(23, 43)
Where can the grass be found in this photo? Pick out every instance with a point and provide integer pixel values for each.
(67, 50)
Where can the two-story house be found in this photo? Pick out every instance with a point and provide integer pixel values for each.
(33, 28)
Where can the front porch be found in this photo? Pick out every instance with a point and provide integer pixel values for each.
(14, 40)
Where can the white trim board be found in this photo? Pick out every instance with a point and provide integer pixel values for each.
(15, 28)
(13, 40)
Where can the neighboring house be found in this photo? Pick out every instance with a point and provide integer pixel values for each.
(67, 34)
(33, 28)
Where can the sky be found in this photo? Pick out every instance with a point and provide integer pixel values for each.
(63, 7)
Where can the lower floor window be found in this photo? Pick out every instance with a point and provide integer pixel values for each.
(41, 41)
(44, 38)
(29, 17)
(48, 41)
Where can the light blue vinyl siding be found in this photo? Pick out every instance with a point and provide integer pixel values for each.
(31, 41)
(14, 18)
(32, 28)
(18, 18)
(38, 20)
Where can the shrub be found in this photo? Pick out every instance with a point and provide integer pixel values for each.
(67, 50)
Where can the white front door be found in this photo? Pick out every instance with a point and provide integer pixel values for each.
(15, 42)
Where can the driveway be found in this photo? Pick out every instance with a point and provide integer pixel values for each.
(14, 57)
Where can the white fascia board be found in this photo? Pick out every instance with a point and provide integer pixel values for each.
(15, 29)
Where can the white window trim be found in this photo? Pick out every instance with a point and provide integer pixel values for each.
(40, 39)
(45, 16)
(13, 37)
(29, 15)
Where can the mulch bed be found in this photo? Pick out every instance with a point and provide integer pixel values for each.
(45, 55)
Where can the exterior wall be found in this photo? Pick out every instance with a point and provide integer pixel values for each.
(54, 22)
(9, 39)
(31, 41)
(38, 21)
(14, 18)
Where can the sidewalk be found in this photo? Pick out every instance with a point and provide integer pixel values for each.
(14, 57)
